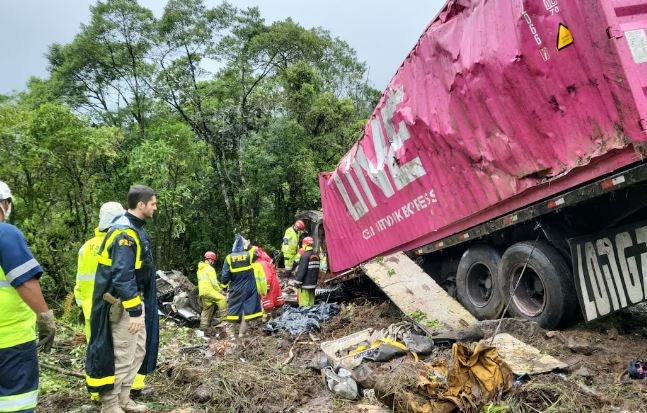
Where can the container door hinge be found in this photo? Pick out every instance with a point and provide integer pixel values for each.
(614, 33)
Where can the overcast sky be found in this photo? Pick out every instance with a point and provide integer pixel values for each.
(381, 32)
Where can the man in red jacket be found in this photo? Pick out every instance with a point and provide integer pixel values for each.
(273, 300)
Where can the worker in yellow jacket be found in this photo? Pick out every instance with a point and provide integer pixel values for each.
(291, 245)
(210, 291)
(87, 262)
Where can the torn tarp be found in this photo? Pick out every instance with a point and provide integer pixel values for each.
(303, 319)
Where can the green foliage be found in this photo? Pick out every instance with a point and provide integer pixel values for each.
(494, 408)
(134, 99)
(418, 315)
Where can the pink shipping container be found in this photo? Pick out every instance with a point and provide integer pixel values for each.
(486, 115)
(500, 105)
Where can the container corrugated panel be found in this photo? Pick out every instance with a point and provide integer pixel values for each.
(500, 104)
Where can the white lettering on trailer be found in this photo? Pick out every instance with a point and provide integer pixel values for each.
(386, 163)
(597, 282)
(605, 247)
(588, 305)
(409, 209)
(551, 6)
(531, 25)
(611, 270)
(357, 209)
(629, 268)
(641, 237)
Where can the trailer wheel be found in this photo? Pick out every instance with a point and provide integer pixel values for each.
(546, 292)
(476, 280)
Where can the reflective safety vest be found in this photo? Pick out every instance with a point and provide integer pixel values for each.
(290, 246)
(259, 277)
(104, 259)
(17, 320)
(238, 261)
(85, 273)
(208, 285)
(19, 402)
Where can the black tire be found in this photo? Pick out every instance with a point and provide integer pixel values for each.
(546, 293)
(476, 280)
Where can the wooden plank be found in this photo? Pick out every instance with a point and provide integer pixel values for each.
(414, 291)
(523, 358)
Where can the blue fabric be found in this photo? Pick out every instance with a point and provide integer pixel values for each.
(100, 353)
(239, 244)
(16, 259)
(243, 294)
(19, 370)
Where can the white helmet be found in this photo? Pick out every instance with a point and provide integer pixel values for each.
(107, 214)
(5, 192)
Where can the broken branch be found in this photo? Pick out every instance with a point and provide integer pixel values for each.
(62, 371)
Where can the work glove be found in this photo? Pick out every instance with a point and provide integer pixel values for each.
(46, 330)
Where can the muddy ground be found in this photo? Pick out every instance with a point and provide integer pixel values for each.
(264, 373)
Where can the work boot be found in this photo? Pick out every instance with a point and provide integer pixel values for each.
(111, 407)
(243, 327)
(131, 406)
(230, 331)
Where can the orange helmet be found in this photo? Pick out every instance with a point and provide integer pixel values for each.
(299, 225)
(307, 241)
(210, 255)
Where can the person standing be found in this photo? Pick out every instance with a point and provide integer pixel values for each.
(210, 292)
(307, 274)
(21, 306)
(88, 261)
(124, 335)
(243, 303)
(291, 245)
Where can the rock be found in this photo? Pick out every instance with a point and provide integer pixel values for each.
(580, 348)
(202, 394)
(583, 371)
(190, 374)
(612, 333)
(551, 334)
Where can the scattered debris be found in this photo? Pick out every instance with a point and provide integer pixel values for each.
(341, 383)
(300, 320)
(177, 297)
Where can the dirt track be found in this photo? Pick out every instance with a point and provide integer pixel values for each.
(258, 374)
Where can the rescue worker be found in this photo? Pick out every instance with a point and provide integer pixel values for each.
(244, 302)
(210, 292)
(21, 306)
(307, 274)
(124, 322)
(290, 245)
(87, 261)
(273, 298)
(87, 266)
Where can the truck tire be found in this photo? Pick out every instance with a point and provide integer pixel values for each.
(476, 280)
(546, 293)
